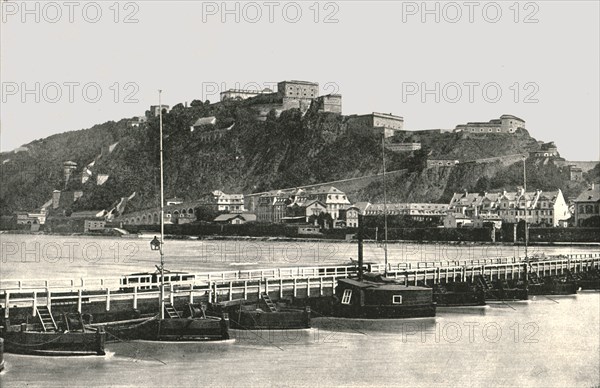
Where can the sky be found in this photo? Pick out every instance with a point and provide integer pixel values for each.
(69, 65)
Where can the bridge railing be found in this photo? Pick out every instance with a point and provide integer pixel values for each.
(216, 291)
(574, 261)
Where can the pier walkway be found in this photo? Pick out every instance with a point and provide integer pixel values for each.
(299, 282)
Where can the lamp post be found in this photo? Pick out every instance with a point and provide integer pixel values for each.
(162, 213)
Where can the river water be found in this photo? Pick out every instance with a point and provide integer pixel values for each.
(543, 342)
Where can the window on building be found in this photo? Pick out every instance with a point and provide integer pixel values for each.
(346, 297)
(397, 299)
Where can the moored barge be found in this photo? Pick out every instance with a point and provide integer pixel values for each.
(374, 296)
(46, 338)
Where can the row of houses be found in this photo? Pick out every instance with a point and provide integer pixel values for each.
(303, 206)
(536, 207)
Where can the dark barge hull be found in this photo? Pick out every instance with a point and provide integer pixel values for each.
(456, 299)
(262, 315)
(588, 284)
(506, 294)
(54, 344)
(172, 329)
(261, 320)
(458, 295)
(567, 288)
(385, 311)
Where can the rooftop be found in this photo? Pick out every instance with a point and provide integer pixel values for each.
(505, 116)
(300, 82)
(592, 194)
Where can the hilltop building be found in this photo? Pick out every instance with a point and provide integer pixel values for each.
(329, 103)
(68, 168)
(297, 94)
(155, 110)
(387, 124)
(290, 94)
(242, 94)
(575, 173)
(136, 121)
(403, 147)
(505, 124)
(442, 162)
(547, 150)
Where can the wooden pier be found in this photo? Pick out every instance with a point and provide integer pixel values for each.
(297, 282)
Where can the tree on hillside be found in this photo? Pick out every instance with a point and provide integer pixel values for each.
(483, 184)
(593, 176)
(206, 213)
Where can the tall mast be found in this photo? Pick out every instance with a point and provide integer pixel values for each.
(162, 214)
(525, 195)
(385, 252)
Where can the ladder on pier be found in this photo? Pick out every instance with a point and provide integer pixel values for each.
(484, 282)
(46, 318)
(267, 299)
(171, 312)
(534, 278)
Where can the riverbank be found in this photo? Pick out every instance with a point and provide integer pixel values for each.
(150, 235)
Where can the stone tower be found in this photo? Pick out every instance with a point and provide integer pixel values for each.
(68, 168)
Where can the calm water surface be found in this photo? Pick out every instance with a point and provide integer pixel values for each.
(544, 342)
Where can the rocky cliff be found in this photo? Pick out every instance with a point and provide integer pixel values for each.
(253, 156)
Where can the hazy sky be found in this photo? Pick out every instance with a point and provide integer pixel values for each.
(542, 57)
